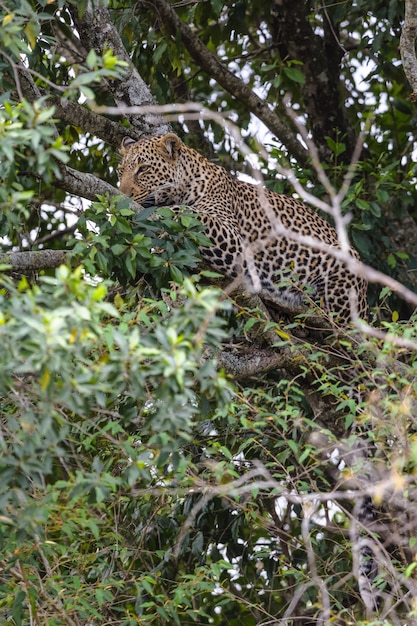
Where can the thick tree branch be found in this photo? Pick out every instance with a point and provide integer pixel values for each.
(98, 32)
(108, 130)
(253, 362)
(295, 39)
(408, 45)
(34, 260)
(85, 185)
(234, 85)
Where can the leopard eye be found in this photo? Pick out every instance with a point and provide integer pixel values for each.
(141, 169)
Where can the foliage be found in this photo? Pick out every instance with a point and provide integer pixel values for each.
(143, 481)
(134, 241)
(88, 380)
(112, 432)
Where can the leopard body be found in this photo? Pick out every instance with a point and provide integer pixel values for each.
(280, 246)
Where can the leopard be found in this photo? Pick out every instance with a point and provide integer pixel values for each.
(280, 247)
(277, 245)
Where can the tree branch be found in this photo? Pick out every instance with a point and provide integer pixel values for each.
(98, 32)
(85, 185)
(234, 85)
(408, 45)
(108, 130)
(293, 34)
(88, 186)
(34, 260)
(253, 362)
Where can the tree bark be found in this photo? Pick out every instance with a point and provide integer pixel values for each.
(85, 185)
(23, 262)
(97, 32)
(408, 45)
(253, 362)
(321, 55)
(108, 130)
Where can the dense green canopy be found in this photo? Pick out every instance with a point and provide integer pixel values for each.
(169, 454)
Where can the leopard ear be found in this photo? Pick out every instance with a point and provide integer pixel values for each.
(171, 143)
(127, 142)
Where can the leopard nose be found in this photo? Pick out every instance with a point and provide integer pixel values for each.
(126, 188)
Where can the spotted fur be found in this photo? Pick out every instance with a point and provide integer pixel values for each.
(241, 220)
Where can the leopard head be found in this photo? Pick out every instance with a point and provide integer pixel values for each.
(148, 171)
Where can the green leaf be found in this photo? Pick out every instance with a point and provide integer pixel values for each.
(364, 205)
(176, 274)
(160, 50)
(294, 75)
(119, 248)
(87, 92)
(375, 209)
(130, 266)
(123, 225)
(217, 6)
(161, 611)
(99, 292)
(91, 60)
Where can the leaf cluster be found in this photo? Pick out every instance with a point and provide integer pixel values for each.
(121, 244)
